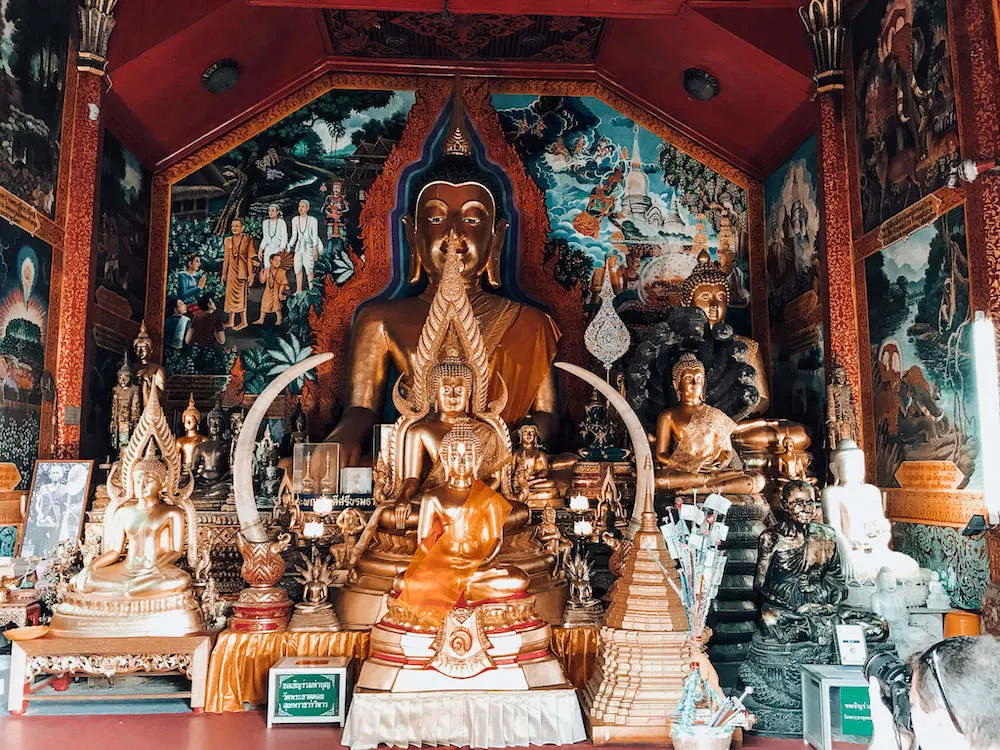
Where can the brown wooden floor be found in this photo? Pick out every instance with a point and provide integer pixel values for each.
(196, 732)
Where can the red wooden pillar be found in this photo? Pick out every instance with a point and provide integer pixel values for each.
(82, 152)
(825, 30)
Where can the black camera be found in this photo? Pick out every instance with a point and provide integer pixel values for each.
(894, 679)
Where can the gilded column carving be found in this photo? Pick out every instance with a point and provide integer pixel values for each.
(825, 31)
(96, 23)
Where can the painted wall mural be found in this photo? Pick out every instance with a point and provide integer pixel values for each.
(961, 563)
(923, 376)
(34, 40)
(25, 270)
(256, 234)
(907, 125)
(123, 227)
(793, 256)
(621, 198)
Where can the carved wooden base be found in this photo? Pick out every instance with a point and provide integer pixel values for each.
(263, 610)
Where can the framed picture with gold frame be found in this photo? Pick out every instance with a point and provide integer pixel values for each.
(56, 505)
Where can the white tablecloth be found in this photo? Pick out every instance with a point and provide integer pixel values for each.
(464, 719)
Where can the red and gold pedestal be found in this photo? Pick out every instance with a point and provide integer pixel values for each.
(261, 611)
(491, 646)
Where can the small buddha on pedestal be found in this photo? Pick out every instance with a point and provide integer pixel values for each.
(191, 419)
(314, 613)
(134, 587)
(531, 470)
(150, 374)
(210, 458)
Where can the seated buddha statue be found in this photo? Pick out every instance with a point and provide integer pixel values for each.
(456, 203)
(449, 390)
(458, 617)
(191, 419)
(707, 288)
(134, 587)
(460, 530)
(532, 469)
(694, 448)
(854, 510)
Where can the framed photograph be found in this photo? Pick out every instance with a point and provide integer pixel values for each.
(56, 504)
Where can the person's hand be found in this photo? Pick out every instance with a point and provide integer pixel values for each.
(885, 732)
(401, 513)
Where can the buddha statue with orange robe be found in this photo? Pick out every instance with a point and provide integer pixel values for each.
(456, 205)
(458, 618)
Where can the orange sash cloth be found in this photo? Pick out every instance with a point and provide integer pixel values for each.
(523, 359)
(444, 563)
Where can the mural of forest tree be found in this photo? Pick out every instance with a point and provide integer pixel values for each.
(620, 197)
(34, 39)
(297, 189)
(922, 370)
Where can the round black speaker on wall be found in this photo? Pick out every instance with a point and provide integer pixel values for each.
(220, 76)
(700, 84)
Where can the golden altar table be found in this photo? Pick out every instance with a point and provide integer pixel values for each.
(237, 673)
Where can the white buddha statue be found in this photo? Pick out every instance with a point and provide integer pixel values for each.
(854, 509)
(889, 603)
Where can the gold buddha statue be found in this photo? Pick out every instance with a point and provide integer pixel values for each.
(191, 419)
(449, 390)
(151, 375)
(531, 470)
(694, 446)
(455, 206)
(458, 618)
(134, 587)
(707, 288)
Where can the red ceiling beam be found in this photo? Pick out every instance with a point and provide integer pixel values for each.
(593, 8)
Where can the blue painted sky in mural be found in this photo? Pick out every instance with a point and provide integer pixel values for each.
(591, 154)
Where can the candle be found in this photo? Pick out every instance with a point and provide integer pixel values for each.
(579, 503)
(583, 528)
(323, 505)
(313, 529)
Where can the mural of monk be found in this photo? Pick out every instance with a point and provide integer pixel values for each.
(237, 273)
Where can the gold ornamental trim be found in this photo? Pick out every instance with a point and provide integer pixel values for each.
(108, 665)
(933, 507)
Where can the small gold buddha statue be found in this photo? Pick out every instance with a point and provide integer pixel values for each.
(191, 419)
(531, 470)
(134, 587)
(694, 446)
(149, 374)
(455, 205)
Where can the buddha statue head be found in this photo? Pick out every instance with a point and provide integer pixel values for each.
(143, 345)
(528, 435)
(124, 374)
(214, 422)
(798, 502)
(688, 376)
(191, 417)
(456, 206)
(707, 288)
(148, 478)
(461, 453)
(451, 383)
(847, 463)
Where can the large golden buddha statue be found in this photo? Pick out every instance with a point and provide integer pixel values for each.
(449, 391)
(134, 587)
(455, 207)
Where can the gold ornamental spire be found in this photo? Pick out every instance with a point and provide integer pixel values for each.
(457, 143)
